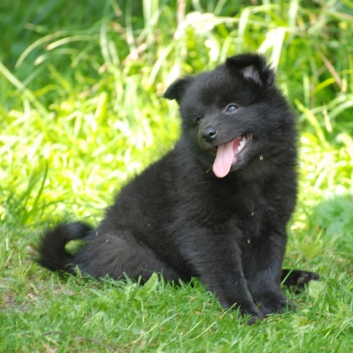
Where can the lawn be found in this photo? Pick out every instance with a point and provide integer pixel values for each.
(81, 112)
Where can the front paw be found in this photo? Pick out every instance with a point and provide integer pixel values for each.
(273, 303)
(251, 309)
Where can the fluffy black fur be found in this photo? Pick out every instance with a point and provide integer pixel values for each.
(181, 220)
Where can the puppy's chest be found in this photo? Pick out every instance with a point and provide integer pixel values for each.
(254, 211)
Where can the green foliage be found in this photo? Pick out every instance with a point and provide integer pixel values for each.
(81, 111)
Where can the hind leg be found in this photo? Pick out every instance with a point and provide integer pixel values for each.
(298, 278)
(117, 257)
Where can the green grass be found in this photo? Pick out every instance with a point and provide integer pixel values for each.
(81, 112)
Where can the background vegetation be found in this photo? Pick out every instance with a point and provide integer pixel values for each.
(81, 112)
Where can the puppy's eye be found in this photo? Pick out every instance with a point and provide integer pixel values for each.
(231, 108)
(198, 120)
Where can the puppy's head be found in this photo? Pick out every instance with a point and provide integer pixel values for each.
(234, 113)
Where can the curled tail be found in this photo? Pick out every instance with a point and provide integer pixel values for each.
(51, 248)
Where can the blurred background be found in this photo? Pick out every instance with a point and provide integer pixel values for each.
(81, 86)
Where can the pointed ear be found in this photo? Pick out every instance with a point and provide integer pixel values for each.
(252, 67)
(177, 89)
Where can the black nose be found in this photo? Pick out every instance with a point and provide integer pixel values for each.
(209, 134)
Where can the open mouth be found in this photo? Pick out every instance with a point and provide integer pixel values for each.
(229, 154)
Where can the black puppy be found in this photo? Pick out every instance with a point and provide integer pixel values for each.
(215, 207)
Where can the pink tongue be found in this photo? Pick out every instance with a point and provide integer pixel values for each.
(225, 157)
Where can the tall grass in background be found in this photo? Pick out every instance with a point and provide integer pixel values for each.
(81, 111)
